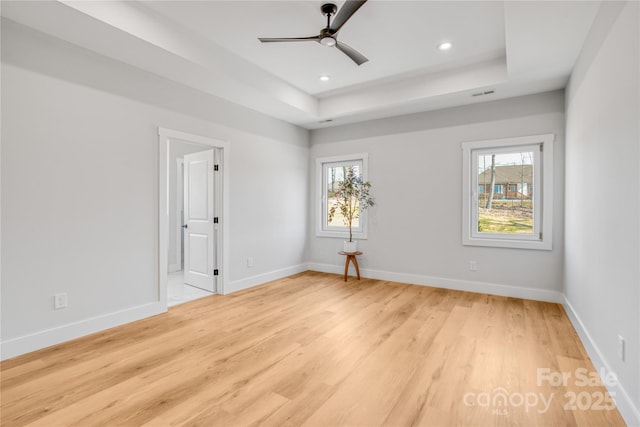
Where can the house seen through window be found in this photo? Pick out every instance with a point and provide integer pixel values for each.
(506, 209)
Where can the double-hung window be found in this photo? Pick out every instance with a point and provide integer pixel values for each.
(508, 192)
(330, 173)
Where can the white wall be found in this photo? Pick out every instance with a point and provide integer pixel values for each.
(80, 188)
(415, 168)
(602, 259)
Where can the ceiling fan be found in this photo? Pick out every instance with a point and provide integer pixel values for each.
(328, 35)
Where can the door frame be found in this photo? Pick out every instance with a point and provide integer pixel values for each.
(165, 136)
(176, 265)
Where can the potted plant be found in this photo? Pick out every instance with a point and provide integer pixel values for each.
(352, 198)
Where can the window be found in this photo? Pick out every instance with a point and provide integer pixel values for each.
(330, 172)
(524, 188)
(520, 217)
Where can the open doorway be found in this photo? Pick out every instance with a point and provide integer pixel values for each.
(191, 214)
(192, 207)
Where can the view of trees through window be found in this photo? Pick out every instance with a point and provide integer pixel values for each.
(335, 175)
(505, 192)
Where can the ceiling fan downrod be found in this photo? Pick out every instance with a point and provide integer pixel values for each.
(329, 9)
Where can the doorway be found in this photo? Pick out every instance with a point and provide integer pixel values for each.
(192, 212)
(195, 245)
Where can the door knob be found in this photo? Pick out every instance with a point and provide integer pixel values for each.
(185, 226)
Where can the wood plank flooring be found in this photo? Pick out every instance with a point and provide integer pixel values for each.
(313, 350)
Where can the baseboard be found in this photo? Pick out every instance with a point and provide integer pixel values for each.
(629, 411)
(42, 339)
(39, 340)
(454, 284)
(249, 282)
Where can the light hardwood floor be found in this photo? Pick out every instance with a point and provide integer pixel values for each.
(313, 350)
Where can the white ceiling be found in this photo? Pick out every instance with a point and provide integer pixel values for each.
(397, 36)
(511, 48)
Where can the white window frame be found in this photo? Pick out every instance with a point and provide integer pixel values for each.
(322, 164)
(541, 238)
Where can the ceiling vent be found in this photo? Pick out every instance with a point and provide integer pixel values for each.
(489, 92)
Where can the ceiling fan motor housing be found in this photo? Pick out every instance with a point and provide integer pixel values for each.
(326, 37)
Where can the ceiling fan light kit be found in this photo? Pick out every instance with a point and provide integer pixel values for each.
(328, 41)
(328, 35)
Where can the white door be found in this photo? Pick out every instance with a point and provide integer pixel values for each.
(199, 211)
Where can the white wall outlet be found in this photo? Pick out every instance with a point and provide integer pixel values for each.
(250, 262)
(59, 301)
(621, 347)
(473, 266)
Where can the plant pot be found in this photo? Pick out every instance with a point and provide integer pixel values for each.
(350, 247)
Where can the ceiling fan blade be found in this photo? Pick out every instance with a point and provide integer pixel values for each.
(290, 39)
(346, 11)
(356, 56)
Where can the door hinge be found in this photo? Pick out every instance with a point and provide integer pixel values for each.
(540, 235)
(215, 271)
(215, 220)
(215, 168)
(541, 147)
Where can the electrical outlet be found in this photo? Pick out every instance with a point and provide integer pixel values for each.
(59, 301)
(250, 262)
(621, 347)
(473, 266)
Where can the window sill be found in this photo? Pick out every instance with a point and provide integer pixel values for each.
(543, 245)
(341, 235)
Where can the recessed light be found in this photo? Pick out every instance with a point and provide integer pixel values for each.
(324, 78)
(445, 46)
